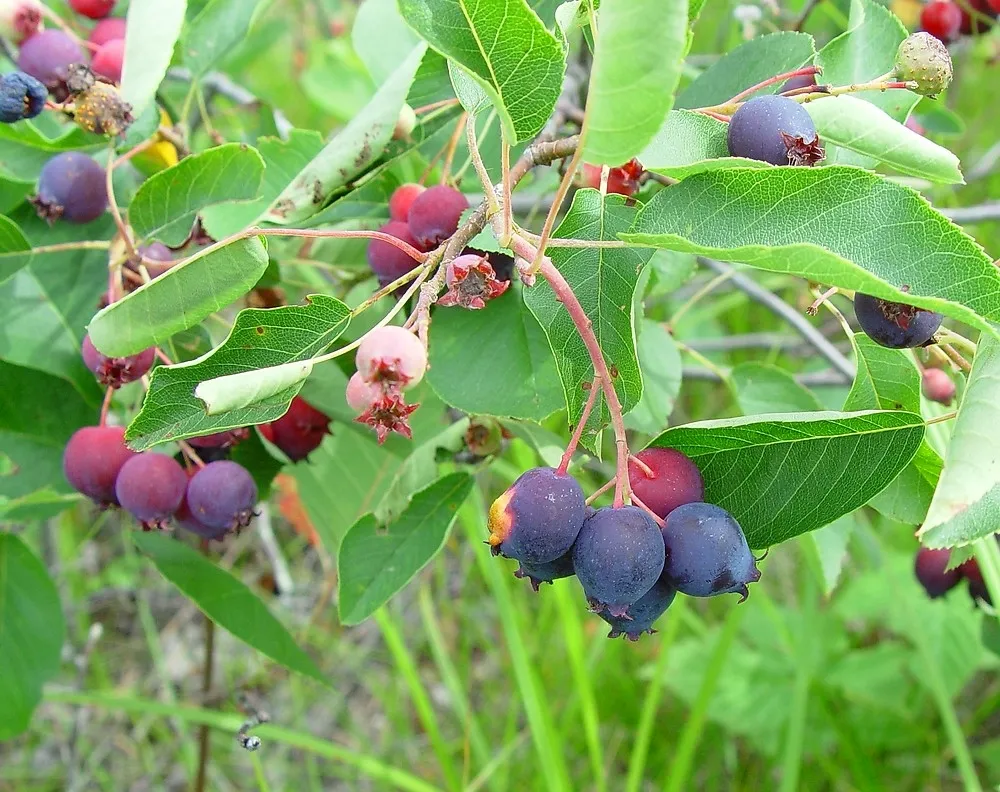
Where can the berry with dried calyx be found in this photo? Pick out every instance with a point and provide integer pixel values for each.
(71, 187)
(222, 496)
(20, 19)
(937, 386)
(47, 56)
(102, 110)
(361, 394)
(471, 282)
(663, 479)
(92, 459)
(484, 436)
(114, 372)
(393, 356)
(151, 487)
(923, 59)
(389, 413)
(895, 325)
(21, 96)
(536, 574)
(642, 613)
(402, 199)
(774, 129)
(623, 180)
(435, 213)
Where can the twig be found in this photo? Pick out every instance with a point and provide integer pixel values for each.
(550, 218)
(801, 21)
(601, 490)
(62, 247)
(986, 212)
(956, 357)
(805, 71)
(109, 172)
(449, 156)
(574, 441)
(106, 404)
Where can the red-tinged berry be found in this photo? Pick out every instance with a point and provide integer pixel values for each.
(222, 496)
(387, 414)
(642, 613)
(266, 431)
(71, 187)
(114, 372)
(360, 394)
(942, 19)
(977, 585)
(774, 129)
(914, 126)
(20, 19)
(186, 520)
(150, 487)
(108, 61)
(402, 199)
(47, 56)
(937, 386)
(802, 81)
(994, 6)
(391, 356)
(664, 479)
(623, 180)
(503, 265)
(95, 9)
(386, 260)
(471, 282)
(107, 30)
(226, 439)
(300, 430)
(93, 457)
(979, 22)
(434, 215)
(931, 569)
(895, 325)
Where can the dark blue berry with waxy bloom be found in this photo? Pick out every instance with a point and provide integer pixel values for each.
(774, 129)
(222, 495)
(150, 487)
(71, 187)
(895, 325)
(537, 574)
(643, 613)
(21, 96)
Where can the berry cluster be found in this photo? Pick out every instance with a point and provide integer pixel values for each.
(630, 560)
(931, 569)
(947, 20)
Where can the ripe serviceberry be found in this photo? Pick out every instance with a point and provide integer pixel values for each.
(92, 459)
(300, 430)
(802, 81)
(536, 574)
(361, 394)
(222, 495)
(538, 518)
(186, 520)
(941, 19)
(994, 6)
(931, 569)
(225, 439)
(503, 265)
(642, 613)
(664, 479)
(471, 282)
(108, 60)
(895, 325)
(150, 487)
(47, 56)
(393, 356)
(71, 187)
(20, 19)
(774, 129)
(618, 556)
(937, 386)
(116, 371)
(107, 30)
(623, 180)
(388, 413)
(21, 96)
(95, 9)
(707, 552)
(434, 214)
(402, 199)
(923, 59)
(386, 260)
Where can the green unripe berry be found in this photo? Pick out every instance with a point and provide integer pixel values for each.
(923, 59)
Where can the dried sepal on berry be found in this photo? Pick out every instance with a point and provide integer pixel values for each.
(471, 283)
(387, 414)
(802, 151)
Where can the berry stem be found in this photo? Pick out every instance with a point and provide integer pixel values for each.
(601, 490)
(113, 206)
(492, 204)
(449, 156)
(805, 71)
(941, 418)
(813, 309)
(190, 453)
(106, 405)
(580, 426)
(956, 357)
(402, 280)
(62, 247)
(550, 218)
(435, 106)
(508, 220)
(164, 357)
(647, 471)
(656, 517)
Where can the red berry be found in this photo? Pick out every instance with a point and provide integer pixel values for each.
(623, 180)
(392, 355)
(115, 372)
(222, 495)
(976, 25)
(937, 386)
(108, 60)
(150, 487)
(387, 261)
(107, 30)
(95, 9)
(435, 213)
(401, 200)
(92, 459)
(942, 19)
(300, 430)
(664, 479)
(932, 573)
(994, 6)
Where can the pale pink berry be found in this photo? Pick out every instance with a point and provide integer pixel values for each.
(361, 394)
(391, 356)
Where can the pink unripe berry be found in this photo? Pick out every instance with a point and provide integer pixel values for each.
(20, 19)
(937, 386)
(392, 354)
(360, 394)
(108, 60)
(107, 30)
(116, 371)
(402, 198)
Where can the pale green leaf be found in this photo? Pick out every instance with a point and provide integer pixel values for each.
(238, 391)
(15, 250)
(152, 29)
(765, 388)
(381, 38)
(219, 27)
(660, 363)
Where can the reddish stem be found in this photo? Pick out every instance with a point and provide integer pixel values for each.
(190, 453)
(578, 431)
(409, 250)
(656, 517)
(106, 405)
(164, 357)
(803, 72)
(717, 116)
(603, 488)
(647, 471)
(434, 106)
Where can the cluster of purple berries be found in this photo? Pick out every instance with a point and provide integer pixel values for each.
(629, 565)
(931, 569)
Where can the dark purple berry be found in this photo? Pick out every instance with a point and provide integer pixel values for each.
(186, 520)
(115, 372)
(47, 56)
(21, 96)
(931, 568)
(895, 325)
(664, 479)
(707, 552)
(222, 496)
(618, 556)
(802, 81)
(150, 487)
(642, 613)
(537, 574)
(71, 186)
(977, 585)
(387, 261)
(538, 518)
(434, 215)
(774, 129)
(92, 459)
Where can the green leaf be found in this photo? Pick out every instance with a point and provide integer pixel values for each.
(152, 29)
(764, 388)
(830, 544)
(260, 338)
(24, 149)
(167, 203)
(32, 631)
(180, 298)
(642, 44)
(13, 192)
(660, 363)
(495, 361)
(238, 391)
(505, 46)
(784, 476)
(839, 226)
(967, 500)
(350, 152)
(377, 561)
(15, 250)
(220, 26)
(381, 38)
(604, 281)
(226, 601)
(861, 127)
(750, 63)
(470, 93)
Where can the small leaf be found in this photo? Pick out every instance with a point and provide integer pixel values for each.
(152, 29)
(166, 204)
(660, 363)
(381, 38)
(15, 250)
(260, 338)
(377, 561)
(238, 391)
(830, 543)
(863, 128)
(220, 26)
(180, 298)
(226, 601)
(763, 388)
(505, 46)
(32, 631)
(839, 226)
(470, 93)
(781, 476)
(641, 44)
